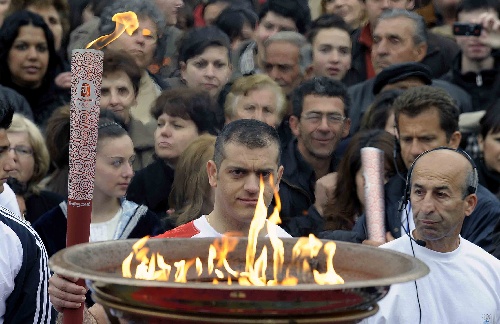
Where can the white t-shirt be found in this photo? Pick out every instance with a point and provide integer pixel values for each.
(201, 228)
(105, 231)
(11, 259)
(463, 286)
(9, 201)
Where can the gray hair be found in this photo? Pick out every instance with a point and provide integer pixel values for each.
(296, 39)
(420, 35)
(143, 8)
(471, 181)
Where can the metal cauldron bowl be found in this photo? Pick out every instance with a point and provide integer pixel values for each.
(368, 273)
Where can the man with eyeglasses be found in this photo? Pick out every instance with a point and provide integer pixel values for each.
(319, 122)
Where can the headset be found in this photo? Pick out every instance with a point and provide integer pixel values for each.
(406, 197)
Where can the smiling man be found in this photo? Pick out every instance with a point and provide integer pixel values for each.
(319, 122)
(463, 285)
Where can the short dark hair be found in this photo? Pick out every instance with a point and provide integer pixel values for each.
(115, 61)
(6, 113)
(189, 104)
(232, 19)
(250, 133)
(9, 32)
(417, 100)
(195, 41)
(473, 5)
(327, 21)
(490, 122)
(320, 86)
(297, 10)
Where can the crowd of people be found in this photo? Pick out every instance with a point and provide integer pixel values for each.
(207, 97)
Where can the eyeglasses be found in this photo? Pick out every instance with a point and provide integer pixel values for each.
(317, 118)
(22, 150)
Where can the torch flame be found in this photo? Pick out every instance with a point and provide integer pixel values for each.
(125, 22)
(304, 253)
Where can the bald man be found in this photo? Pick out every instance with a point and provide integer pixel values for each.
(463, 285)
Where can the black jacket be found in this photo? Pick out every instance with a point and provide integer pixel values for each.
(362, 97)
(483, 87)
(477, 228)
(298, 215)
(151, 187)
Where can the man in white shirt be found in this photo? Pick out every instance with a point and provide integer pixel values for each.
(24, 271)
(463, 285)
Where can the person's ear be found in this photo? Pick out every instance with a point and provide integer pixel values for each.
(212, 173)
(409, 5)
(480, 142)
(421, 51)
(455, 139)
(294, 125)
(347, 127)
(278, 177)
(183, 68)
(470, 203)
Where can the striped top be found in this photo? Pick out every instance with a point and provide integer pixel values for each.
(24, 273)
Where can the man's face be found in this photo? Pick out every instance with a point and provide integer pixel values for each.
(269, 25)
(282, 65)
(472, 47)
(421, 133)
(237, 182)
(260, 104)
(436, 195)
(393, 43)
(6, 159)
(320, 127)
(170, 9)
(332, 53)
(375, 7)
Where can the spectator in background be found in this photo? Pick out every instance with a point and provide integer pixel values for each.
(352, 11)
(142, 46)
(212, 10)
(319, 122)
(120, 85)
(4, 8)
(238, 23)
(284, 61)
(28, 63)
(331, 44)
(436, 56)
(255, 97)
(182, 115)
(113, 217)
(84, 23)
(380, 114)
(476, 69)
(488, 165)
(31, 163)
(191, 193)
(274, 16)
(398, 56)
(55, 13)
(57, 141)
(204, 62)
(341, 210)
